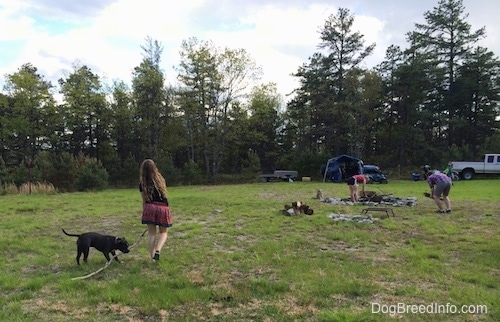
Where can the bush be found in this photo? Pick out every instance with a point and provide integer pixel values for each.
(8, 189)
(60, 169)
(55, 171)
(122, 173)
(92, 176)
(192, 173)
(172, 174)
(131, 170)
(251, 166)
(308, 164)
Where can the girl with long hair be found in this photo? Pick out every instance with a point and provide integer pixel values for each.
(155, 208)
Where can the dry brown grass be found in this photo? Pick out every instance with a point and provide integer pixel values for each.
(28, 188)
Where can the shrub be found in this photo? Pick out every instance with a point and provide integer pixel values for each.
(251, 166)
(92, 176)
(131, 171)
(167, 167)
(192, 173)
(60, 169)
(8, 189)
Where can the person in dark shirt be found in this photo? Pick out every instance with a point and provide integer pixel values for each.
(155, 207)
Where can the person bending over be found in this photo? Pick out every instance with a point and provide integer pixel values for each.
(352, 183)
(440, 185)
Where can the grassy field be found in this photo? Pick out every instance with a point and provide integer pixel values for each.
(233, 256)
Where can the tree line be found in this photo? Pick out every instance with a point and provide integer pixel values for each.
(437, 99)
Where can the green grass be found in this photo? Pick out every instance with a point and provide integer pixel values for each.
(232, 255)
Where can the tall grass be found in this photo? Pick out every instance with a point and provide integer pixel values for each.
(28, 188)
(232, 255)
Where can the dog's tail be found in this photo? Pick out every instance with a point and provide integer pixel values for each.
(73, 235)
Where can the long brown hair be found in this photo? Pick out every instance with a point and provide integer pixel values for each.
(150, 178)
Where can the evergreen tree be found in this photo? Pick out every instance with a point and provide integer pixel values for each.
(327, 114)
(85, 112)
(444, 40)
(265, 119)
(149, 99)
(477, 100)
(28, 115)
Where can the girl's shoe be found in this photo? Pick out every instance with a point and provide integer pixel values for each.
(441, 211)
(156, 257)
(448, 211)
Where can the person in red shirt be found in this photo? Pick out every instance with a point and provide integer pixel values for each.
(352, 183)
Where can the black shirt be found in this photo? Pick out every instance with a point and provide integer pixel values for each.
(156, 197)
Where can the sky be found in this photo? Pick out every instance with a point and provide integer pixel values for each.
(280, 35)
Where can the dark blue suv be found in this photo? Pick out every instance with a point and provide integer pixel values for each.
(343, 166)
(374, 173)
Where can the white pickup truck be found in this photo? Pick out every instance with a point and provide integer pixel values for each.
(467, 170)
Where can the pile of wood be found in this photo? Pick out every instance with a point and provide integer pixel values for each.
(297, 208)
(372, 196)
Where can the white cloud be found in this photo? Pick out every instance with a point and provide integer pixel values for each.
(13, 24)
(135, 19)
(280, 39)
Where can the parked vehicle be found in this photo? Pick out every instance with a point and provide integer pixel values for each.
(375, 174)
(279, 175)
(490, 164)
(341, 167)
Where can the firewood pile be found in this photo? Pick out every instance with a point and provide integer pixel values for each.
(297, 208)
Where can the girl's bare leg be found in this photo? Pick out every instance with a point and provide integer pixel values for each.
(162, 238)
(151, 239)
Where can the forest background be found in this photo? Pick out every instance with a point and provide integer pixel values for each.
(435, 100)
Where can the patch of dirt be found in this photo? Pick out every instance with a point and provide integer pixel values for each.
(270, 195)
(340, 245)
(121, 310)
(101, 224)
(29, 268)
(196, 277)
(293, 307)
(46, 310)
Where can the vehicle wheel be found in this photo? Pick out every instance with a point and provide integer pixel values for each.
(467, 174)
(384, 181)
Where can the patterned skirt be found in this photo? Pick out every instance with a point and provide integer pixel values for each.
(156, 213)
